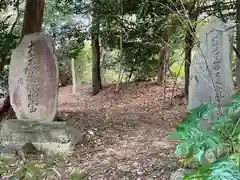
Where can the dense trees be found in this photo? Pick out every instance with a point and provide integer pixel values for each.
(136, 40)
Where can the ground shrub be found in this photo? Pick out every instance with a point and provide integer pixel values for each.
(221, 138)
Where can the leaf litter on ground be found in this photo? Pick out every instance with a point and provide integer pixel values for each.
(127, 132)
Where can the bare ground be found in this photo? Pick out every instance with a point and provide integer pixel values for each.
(127, 131)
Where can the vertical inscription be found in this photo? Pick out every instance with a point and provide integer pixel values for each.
(32, 75)
(216, 67)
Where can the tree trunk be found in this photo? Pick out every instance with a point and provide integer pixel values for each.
(161, 63)
(119, 80)
(96, 75)
(238, 43)
(33, 17)
(73, 77)
(189, 43)
(131, 72)
(189, 40)
(188, 53)
(165, 68)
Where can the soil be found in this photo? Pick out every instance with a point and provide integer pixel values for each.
(127, 131)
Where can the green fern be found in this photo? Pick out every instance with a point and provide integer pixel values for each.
(222, 169)
(192, 139)
(195, 140)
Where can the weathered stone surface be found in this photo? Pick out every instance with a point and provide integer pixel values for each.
(33, 78)
(211, 68)
(46, 136)
(178, 175)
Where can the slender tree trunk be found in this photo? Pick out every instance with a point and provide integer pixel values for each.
(73, 77)
(165, 69)
(189, 40)
(96, 74)
(238, 43)
(131, 72)
(161, 63)
(119, 80)
(33, 17)
(162, 59)
(189, 43)
(188, 53)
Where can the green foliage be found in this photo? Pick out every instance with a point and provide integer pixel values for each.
(223, 168)
(4, 80)
(203, 129)
(177, 70)
(76, 175)
(144, 25)
(45, 168)
(69, 35)
(8, 41)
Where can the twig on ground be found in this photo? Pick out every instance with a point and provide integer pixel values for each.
(57, 173)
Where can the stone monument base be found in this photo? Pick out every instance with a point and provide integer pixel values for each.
(47, 137)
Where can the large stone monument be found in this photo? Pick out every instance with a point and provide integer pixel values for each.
(33, 78)
(211, 67)
(33, 90)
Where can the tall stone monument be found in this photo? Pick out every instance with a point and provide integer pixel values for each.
(33, 78)
(33, 90)
(211, 67)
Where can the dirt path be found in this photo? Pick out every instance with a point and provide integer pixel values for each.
(127, 131)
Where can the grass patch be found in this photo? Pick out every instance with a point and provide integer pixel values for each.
(48, 168)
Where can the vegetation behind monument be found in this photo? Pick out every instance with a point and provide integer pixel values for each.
(138, 41)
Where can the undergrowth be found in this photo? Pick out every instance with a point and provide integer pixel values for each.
(39, 169)
(209, 141)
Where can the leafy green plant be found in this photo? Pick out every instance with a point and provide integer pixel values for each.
(208, 128)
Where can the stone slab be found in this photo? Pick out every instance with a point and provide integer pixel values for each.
(211, 67)
(33, 78)
(54, 136)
